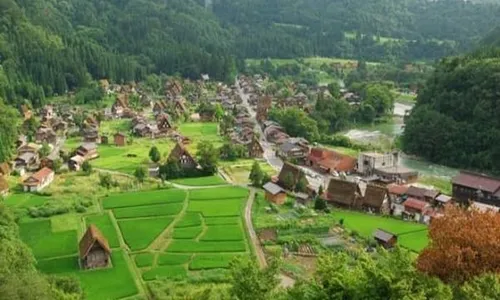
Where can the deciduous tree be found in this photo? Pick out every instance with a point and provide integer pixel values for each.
(256, 174)
(154, 154)
(208, 157)
(140, 174)
(248, 282)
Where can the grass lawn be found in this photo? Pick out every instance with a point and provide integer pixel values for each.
(110, 283)
(187, 232)
(218, 193)
(143, 198)
(415, 241)
(239, 171)
(189, 246)
(200, 181)
(201, 131)
(103, 222)
(441, 183)
(25, 200)
(167, 272)
(44, 243)
(188, 220)
(217, 208)
(148, 210)
(110, 127)
(222, 221)
(211, 261)
(139, 233)
(170, 259)
(144, 259)
(223, 233)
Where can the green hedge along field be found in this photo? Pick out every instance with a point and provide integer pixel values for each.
(167, 272)
(143, 198)
(218, 193)
(144, 259)
(148, 210)
(44, 243)
(103, 222)
(189, 246)
(211, 261)
(217, 208)
(139, 233)
(187, 232)
(169, 259)
(110, 283)
(222, 220)
(223, 233)
(189, 220)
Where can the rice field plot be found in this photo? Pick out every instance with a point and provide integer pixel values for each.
(187, 232)
(139, 233)
(223, 233)
(218, 193)
(25, 200)
(103, 222)
(217, 208)
(45, 243)
(190, 246)
(166, 272)
(148, 210)
(211, 261)
(114, 282)
(143, 198)
(144, 259)
(201, 181)
(415, 241)
(188, 220)
(170, 259)
(222, 221)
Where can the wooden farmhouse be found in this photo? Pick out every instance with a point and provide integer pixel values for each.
(38, 181)
(385, 238)
(163, 123)
(290, 171)
(468, 186)
(94, 249)
(255, 149)
(376, 198)
(180, 107)
(342, 193)
(159, 107)
(119, 139)
(183, 157)
(274, 193)
(88, 151)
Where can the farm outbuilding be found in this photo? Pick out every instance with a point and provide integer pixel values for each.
(94, 249)
(385, 238)
(274, 193)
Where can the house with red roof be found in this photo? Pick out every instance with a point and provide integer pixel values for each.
(39, 180)
(415, 209)
(327, 161)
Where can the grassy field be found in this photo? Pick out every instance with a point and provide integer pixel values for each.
(240, 170)
(45, 243)
(188, 220)
(211, 261)
(110, 283)
(103, 222)
(201, 132)
(217, 208)
(223, 233)
(170, 259)
(187, 232)
(25, 200)
(167, 272)
(441, 183)
(148, 210)
(139, 233)
(189, 246)
(200, 181)
(110, 127)
(144, 259)
(218, 193)
(143, 198)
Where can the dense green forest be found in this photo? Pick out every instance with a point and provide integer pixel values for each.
(455, 121)
(48, 47)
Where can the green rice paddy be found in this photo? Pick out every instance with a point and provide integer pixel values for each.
(139, 233)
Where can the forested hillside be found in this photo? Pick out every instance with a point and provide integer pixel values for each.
(455, 120)
(48, 47)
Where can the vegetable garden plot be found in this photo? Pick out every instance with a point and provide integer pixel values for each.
(144, 198)
(190, 246)
(222, 221)
(148, 210)
(188, 220)
(139, 233)
(217, 208)
(103, 222)
(170, 259)
(218, 193)
(167, 272)
(144, 259)
(44, 243)
(223, 233)
(187, 232)
(211, 261)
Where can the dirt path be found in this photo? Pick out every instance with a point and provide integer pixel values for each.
(286, 281)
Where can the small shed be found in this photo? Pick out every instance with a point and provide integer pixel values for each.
(119, 139)
(94, 249)
(274, 193)
(302, 198)
(385, 238)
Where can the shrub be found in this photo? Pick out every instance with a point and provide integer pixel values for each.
(80, 208)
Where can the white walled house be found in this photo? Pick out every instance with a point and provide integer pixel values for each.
(39, 180)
